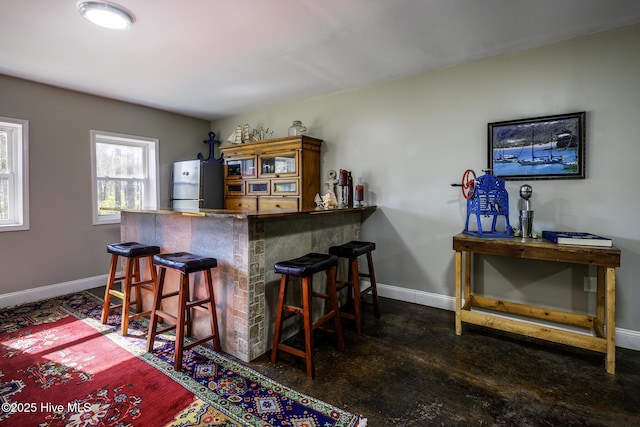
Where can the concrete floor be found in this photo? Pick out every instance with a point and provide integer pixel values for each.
(410, 369)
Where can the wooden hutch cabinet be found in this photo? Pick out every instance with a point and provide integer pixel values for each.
(281, 173)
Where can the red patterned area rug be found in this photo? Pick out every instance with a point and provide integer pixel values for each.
(60, 367)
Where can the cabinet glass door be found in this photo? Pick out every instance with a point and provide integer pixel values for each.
(241, 167)
(283, 164)
(284, 187)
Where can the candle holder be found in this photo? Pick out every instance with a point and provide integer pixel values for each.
(342, 183)
(341, 203)
(359, 195)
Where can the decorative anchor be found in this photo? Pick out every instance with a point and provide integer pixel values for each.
(486, 195)
(212, 143)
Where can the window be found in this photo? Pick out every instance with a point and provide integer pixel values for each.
(14, 174)
(125, 174)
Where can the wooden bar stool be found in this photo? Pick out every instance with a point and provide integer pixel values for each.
(132, 252)
(185, 263)
(304, 268)
(352, 251)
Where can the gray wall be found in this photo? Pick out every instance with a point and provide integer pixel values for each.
(410, 139)
(62, 244)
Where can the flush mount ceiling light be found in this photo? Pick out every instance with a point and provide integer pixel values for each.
(106, 14)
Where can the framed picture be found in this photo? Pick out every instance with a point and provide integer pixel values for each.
(550, 147)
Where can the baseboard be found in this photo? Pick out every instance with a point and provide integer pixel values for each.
(625, 338)
(50, 291)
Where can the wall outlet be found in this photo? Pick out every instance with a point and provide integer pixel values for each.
(590, 284)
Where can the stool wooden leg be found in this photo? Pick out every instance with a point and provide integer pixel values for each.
(307, 284)
(335, 306)
(349, 282)
(137, 278)
(188, 325)
(126, 291)
(183, 296)
(355, 283)
(213, 315)
(107, 295)
(374, 287)
(284, 279)
(157, 297)
(154, 284)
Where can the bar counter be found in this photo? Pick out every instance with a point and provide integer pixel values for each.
(246, 244)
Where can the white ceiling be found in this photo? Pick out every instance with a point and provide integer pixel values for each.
(215, 58)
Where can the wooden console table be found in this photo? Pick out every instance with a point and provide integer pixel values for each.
(602, 325)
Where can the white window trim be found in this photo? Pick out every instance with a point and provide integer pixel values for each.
(19, 220)
(152, 171)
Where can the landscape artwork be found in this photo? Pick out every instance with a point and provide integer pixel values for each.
(550, 147)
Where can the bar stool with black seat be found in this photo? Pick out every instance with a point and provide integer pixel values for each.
(184, 263)
(304, 268)
(131, 253)
(352, 251)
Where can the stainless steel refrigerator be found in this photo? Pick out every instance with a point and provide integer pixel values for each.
(197, 184)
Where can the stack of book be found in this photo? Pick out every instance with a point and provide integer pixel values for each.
(577, 238)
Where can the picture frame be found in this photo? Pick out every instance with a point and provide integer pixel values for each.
(549, 147)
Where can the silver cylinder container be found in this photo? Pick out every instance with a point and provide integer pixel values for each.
(526, 223)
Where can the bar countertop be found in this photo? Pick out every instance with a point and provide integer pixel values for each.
(245, 214)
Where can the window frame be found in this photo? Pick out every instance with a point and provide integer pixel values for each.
(151, 166)
(18, 174)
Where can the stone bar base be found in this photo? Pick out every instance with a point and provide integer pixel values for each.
(246, 245)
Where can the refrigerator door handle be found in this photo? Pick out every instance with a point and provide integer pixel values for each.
(171, 181)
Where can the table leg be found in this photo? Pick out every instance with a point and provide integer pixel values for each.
(600, 295)
(467, 276)
(611, 320)
(458, 292)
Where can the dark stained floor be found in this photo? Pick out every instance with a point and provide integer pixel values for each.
(409, 368)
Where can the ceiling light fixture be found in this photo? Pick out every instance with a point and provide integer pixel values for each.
(106, 14)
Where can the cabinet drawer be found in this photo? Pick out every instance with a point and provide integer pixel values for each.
(285, 187)
(234, 188)
(241, 203)
(258, 187)
(274, 203)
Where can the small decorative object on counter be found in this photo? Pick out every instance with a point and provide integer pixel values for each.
(349, 190)
(359, 194)
(328, 201)
(332, 181)
(297, 128)
(526, 214)
(343, 178)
